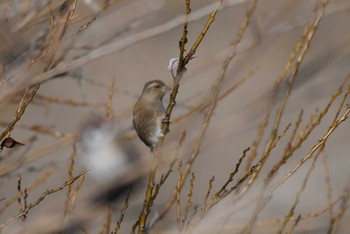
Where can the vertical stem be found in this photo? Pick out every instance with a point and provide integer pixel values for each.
(147, 202)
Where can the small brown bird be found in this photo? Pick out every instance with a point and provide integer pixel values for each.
(149, 112)
(9, 142)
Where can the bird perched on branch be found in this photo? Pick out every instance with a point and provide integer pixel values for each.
(149, 112)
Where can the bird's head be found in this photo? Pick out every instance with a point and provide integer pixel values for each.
(155, 89)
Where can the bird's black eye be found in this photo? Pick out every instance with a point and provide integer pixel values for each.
(157, 86)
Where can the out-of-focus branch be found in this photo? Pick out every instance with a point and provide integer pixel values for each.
(130, 40)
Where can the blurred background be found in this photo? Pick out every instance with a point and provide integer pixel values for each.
(93, 59)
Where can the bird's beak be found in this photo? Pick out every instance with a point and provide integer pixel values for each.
(166, 88)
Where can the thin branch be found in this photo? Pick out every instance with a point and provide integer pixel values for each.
(20, 111)
(68, 19)
(277, 221)
(148, 200)
(69, 102)
(201, 37)
(180, 72)
(334, 225)
(296, 222)
(205, 200)
(130, 40)
(19, 194)
(230, 179)
(213, 102)
(108, 109)
(328, 184)
(178, 192)
(314, 148)
(189, 199)
(299, 193)
(41, 180)
(70, 190)
(204, 105)
(166, 121)
(40, 199)
(184, 39)
(309, 33)
(122, 212)
(226, 192)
